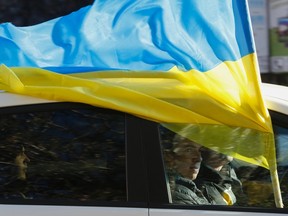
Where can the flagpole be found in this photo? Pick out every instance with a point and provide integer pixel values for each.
(276, 186)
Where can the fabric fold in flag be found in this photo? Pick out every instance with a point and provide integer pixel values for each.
(187, 66)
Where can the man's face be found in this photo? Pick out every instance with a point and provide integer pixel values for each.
(215, 159)
(187, 158)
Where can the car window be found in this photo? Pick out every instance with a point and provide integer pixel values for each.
(63, 155)
(236, 183)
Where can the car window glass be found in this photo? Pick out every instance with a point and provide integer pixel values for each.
(65, 155)
(233, 183)
(281, 137)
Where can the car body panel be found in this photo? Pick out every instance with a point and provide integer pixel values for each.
(173, 212)
(40, 210)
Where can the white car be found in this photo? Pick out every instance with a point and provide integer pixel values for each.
(72, 159)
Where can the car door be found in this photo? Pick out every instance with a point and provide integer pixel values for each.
(70, 159)
(256, 194)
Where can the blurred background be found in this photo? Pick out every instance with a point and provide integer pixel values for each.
(269, 20)
(25, 12)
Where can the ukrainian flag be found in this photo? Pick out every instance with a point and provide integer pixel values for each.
(188, 64)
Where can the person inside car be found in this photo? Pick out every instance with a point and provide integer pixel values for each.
(184, 163)
(217, 179)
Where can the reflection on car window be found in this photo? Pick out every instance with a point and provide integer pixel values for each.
(76, 154)
(230, 182)
(281, 136)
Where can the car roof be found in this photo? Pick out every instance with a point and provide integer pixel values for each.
(9, 99)
(275, 97)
